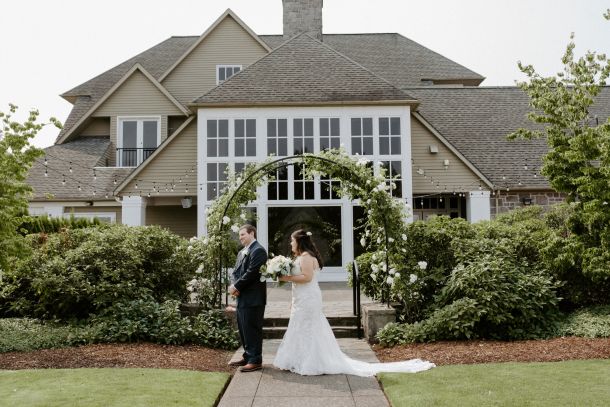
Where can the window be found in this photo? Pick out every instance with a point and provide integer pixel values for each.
(277, 188)
(303, 136)
(303, 189)
(362, 136)
(330, 134)
(245, 138)
(138, 138)
(218, 138)
(389, 135)
(217, 179)
(104, 217)
(277, 137)
(329, 188)
(224, 72)
(393, 175)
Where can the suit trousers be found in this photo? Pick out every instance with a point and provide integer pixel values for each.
(250, 326)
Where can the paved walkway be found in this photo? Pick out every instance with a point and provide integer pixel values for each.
(272, 387)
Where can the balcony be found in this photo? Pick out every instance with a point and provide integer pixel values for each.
(132, 157)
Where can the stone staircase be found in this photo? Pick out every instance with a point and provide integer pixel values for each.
(342, 326)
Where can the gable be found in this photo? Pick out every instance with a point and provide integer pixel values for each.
(137, 95)
(169, 164)
(457, 176)
(228, 43)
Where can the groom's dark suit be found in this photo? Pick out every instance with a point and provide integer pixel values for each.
(251, 300)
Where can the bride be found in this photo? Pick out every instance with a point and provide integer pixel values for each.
(309, 346)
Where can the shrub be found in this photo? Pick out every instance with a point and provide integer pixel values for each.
(593, 322)
(146, 320)
(24, 334)
(79, 272)
(46, 224)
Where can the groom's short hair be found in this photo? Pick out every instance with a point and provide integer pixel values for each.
(249, 229)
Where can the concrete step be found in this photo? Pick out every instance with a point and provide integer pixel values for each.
(339, 331)
(333, 321)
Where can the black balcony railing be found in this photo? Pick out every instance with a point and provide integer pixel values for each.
(132, 157)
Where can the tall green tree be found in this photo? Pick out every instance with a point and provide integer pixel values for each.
(578, 160)
(16, 158)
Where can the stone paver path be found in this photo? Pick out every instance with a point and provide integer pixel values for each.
(272, 387)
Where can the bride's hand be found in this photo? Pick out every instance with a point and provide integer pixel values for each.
(283, 278)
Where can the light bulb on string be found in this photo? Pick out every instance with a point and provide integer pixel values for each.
(94, 192)
(114, 182)
(46, 172)
(79, 188)
(71, 167)
(94, 175)
(63, 181)
(136, 185)
(106, 196)
(45, 161)
(187, 188)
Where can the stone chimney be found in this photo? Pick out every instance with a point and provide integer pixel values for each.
(302, 16)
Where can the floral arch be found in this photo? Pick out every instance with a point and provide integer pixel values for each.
(383, 229)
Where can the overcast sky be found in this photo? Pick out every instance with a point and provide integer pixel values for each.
(48, 47)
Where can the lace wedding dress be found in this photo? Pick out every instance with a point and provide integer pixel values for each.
(309, 346)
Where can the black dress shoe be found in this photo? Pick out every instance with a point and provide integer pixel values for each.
(251, 367)
(242, 362)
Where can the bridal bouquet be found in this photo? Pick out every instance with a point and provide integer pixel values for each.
(277, 267)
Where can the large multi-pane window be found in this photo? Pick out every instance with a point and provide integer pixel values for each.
(303, 188)
(393, 177)
(277, 189)
(330, 134)
(362, 136)
(389, 135)
(217, 179)
(329, 188)
(302, 136)
(245, 138)
(218, 138)
(277, 137)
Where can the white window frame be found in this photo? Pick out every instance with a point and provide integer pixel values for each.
(91, 215)
(139, 136)
(233, 66)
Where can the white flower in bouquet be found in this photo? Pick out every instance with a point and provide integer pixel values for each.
(277, 267)
(422, 265)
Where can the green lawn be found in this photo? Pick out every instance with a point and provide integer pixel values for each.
(109, 387)
(572, 383)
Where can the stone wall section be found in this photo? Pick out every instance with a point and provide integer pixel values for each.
(507, 201)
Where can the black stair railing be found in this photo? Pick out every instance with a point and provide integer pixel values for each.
(356, 298)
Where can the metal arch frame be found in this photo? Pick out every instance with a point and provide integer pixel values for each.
(274, 166)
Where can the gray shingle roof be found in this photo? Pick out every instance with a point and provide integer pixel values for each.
(395, 58)
(391, 56)
(303, 70)
(476, 121)
(84, 154)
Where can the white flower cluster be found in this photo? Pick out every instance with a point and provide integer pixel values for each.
(277, 267)
(197, 286)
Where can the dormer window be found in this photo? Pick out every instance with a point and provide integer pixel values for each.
(224, 72)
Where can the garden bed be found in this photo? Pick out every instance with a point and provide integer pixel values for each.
(471, 352)
(135, 355)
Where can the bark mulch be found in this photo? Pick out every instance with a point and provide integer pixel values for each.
(135, 355)
(470, 352)
(190, 357)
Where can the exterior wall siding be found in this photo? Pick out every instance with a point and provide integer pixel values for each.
(176, 159)
(504, 202)
(228, 44)
(176, 219)
(458, 177)
(99, 126)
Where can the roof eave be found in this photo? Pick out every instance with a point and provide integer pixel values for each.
(404, 102)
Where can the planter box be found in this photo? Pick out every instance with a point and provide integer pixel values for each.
(374, 317)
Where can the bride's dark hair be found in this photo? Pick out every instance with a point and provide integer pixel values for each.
(305, 244)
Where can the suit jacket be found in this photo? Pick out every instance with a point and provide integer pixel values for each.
(247, 277)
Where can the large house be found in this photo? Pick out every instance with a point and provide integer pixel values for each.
(150, 140)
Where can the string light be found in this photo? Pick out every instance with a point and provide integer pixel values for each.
(71, 167)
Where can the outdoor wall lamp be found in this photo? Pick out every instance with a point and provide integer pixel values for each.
(187, 202)
(526, 201)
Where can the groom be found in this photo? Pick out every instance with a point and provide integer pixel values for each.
(251, 295)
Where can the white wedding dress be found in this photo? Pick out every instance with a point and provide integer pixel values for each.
(309, 346)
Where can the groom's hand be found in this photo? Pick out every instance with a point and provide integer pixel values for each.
(233, 291)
